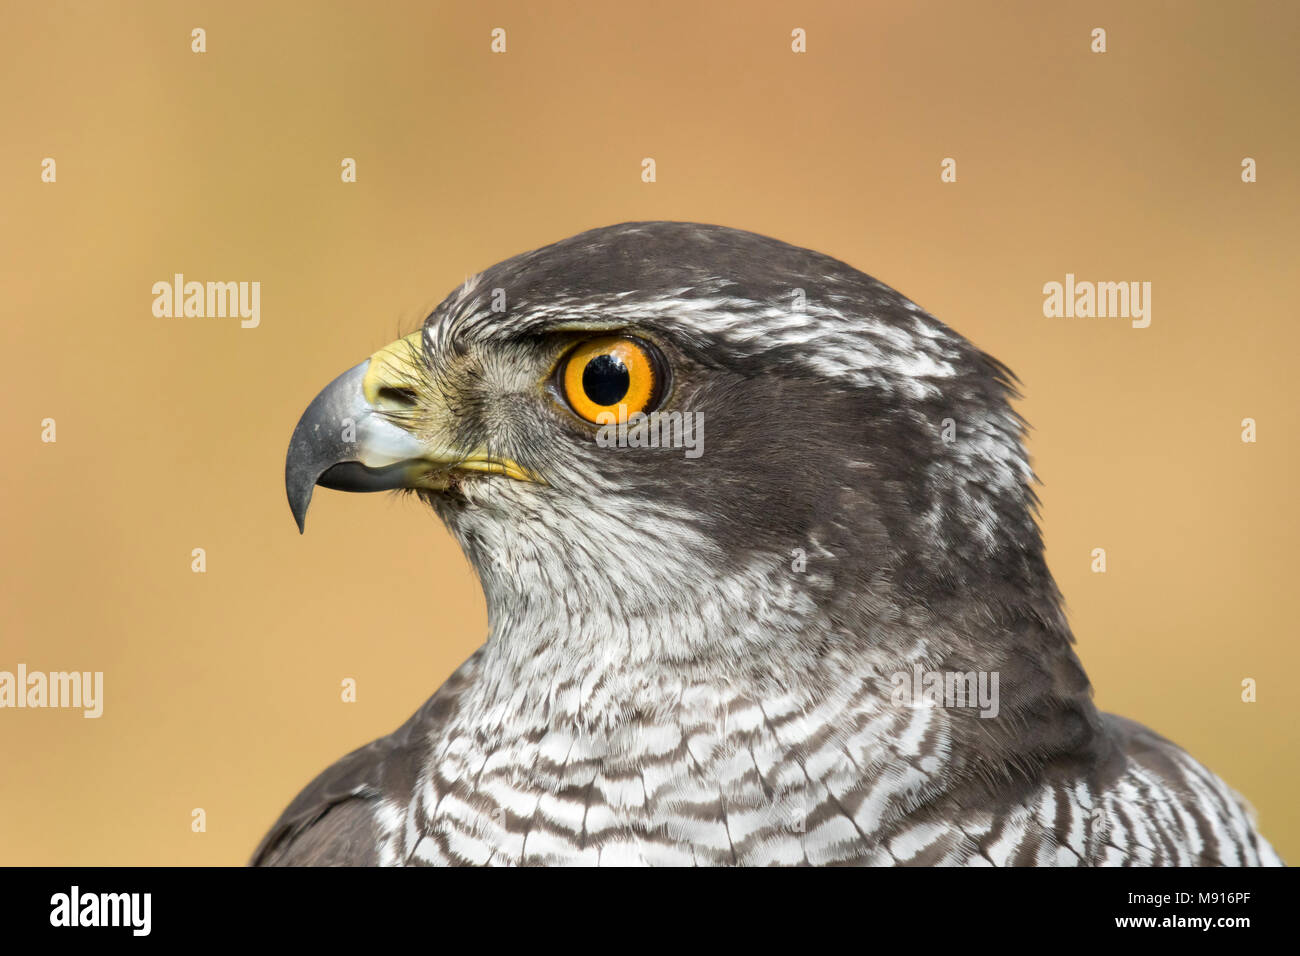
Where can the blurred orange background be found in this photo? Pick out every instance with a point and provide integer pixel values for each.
(222, 689)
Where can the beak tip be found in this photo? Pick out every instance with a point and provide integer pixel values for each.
(298, 487)
(299, 501)
(315, 444)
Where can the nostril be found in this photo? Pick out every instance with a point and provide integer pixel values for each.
(398, 395)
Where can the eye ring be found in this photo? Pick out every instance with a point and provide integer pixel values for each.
(608, 378)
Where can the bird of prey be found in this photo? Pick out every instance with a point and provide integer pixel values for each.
(742, 653)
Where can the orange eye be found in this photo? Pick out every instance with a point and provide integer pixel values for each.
(610, 375)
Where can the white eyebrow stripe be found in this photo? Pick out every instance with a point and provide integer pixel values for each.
(863, 350)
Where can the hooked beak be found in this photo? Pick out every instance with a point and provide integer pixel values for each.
(347, 440)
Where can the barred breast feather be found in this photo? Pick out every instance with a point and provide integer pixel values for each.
(736, 781)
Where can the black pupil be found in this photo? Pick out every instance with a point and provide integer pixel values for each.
(605, 380)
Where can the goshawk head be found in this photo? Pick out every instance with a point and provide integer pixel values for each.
(676, 448)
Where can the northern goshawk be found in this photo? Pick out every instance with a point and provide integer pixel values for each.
(757, 537)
